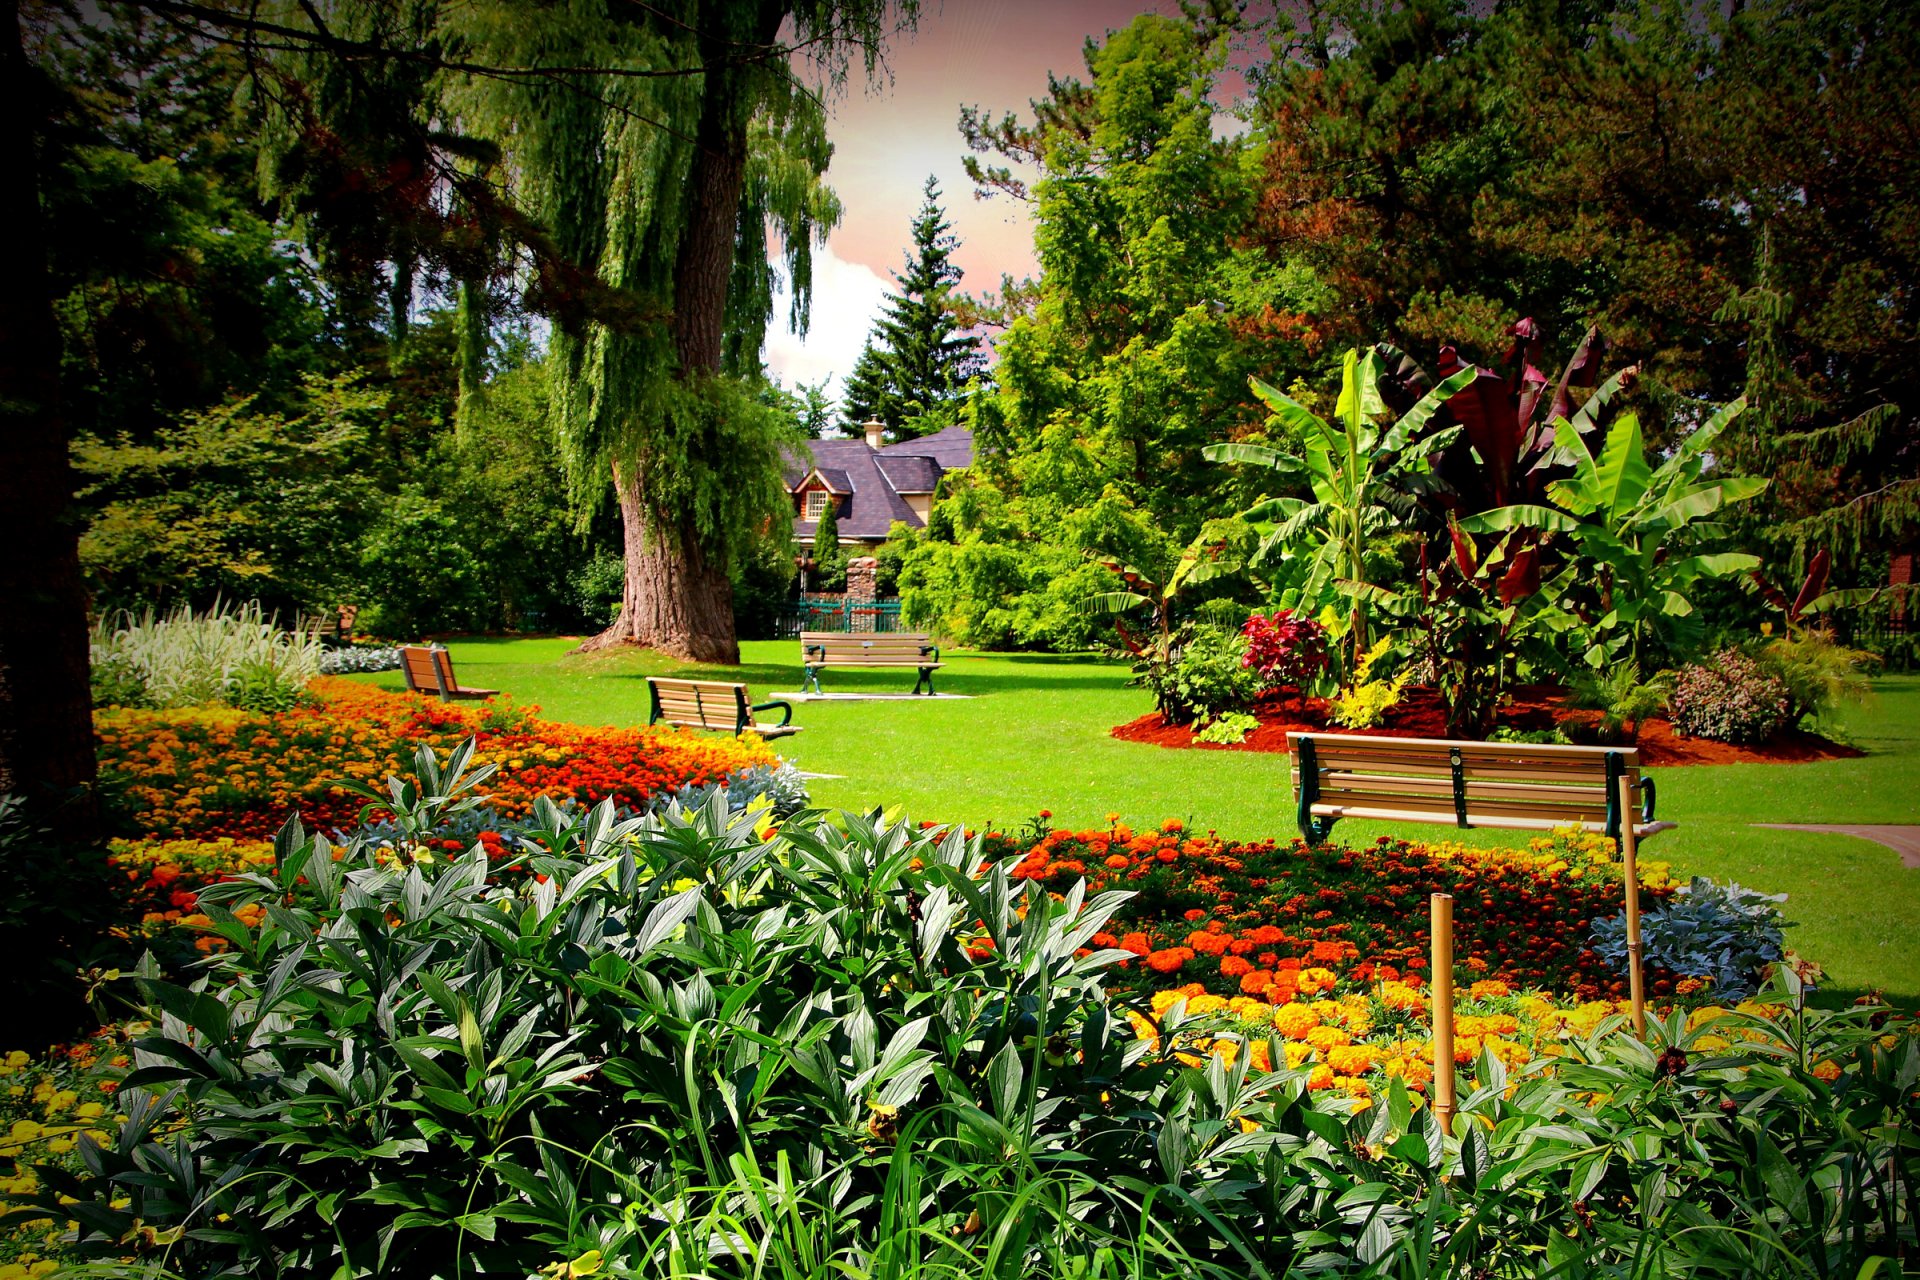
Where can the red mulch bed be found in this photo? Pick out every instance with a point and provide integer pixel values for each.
(1421, 714)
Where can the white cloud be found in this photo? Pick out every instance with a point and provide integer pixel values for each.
(846, 299)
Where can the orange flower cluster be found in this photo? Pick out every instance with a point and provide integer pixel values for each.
(224, 773)
(1269, 920)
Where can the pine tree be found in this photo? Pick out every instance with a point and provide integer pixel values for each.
(830, 570)
(913, 373)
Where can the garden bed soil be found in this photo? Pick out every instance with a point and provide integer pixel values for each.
(1421, 714)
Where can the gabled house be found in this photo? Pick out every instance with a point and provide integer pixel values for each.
(870, 483)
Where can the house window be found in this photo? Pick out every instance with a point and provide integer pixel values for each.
(816, 503)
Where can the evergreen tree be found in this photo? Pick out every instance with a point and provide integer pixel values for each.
(913, 372)
(830, 567)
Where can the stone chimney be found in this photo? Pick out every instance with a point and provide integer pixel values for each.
(875, 430)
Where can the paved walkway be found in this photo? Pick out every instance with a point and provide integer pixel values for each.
(1904, 841)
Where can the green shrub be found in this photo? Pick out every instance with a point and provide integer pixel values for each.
(1227, 729)
(1818, 673)
(1724, 932)
(1211, 677)
(1623, 700)
(597, 589)
(233, 656)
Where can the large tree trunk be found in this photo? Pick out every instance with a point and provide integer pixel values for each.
(46, 718)
(677, 599)
(674, 600)
(46, 714)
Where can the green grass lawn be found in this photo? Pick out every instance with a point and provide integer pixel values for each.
(1034, 735)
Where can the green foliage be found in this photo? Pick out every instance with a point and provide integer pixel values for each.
(1632, 535)
(649, 1037)
(235, 501)
(233, 656)
(1365, 701)
(1622, 698)
(1210, 677)
(1227, 728)
(763, 584)
(1349, 465)
(421, 572)
(1819, 673)
(913, 372)
(1132, 350)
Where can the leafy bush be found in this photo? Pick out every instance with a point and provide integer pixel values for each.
(116, 680)
(1706, 930)
(1286, 648)
(1543, 737)
(1623, 700)
(356, 659)
(1228, 728)
(1365, 703)
(598, 587)
(668, 1040)
(1818, 672)
(1729, 698)
(1210, 676)
(231, 656)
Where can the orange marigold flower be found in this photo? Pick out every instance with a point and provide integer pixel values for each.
(1208, 943)
(1167, 855)
(1172, 825)
(1234, 967)
(1166, 961)
(1134, 942)
(1489, 988)
(1255, 982)
(1118, 862)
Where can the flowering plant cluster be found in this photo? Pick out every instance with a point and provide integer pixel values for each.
(341, 662)
(1730, 698)
(1227, 914)
(1286, 648)
(217, 772)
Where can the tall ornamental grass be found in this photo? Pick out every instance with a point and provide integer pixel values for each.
(233, 656)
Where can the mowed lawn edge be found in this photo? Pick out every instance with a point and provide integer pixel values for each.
(1033, 735)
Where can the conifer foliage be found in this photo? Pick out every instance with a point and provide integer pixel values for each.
(913, 372)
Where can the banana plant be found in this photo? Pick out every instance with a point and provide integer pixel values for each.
(1630, 527)
(1353, 466)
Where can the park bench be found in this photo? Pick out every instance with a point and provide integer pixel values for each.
(429, 669)
(715, 704)
(822, 649)
(1512, 785)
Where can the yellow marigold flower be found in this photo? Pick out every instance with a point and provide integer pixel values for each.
(1295, 1021)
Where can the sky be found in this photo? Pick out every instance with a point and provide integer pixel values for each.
(889, 136)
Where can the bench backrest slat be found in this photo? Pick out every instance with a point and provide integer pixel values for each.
(833, 647)
(1496, 781)
(701, 704)
(422, 672)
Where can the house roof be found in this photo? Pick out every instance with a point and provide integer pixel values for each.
(876, 479)
(908, 472)
(952, 448)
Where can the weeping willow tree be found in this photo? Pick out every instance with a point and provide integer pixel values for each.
(663, 167)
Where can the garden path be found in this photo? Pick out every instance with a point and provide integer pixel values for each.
(1904, 841)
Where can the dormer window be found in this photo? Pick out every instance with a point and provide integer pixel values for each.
(816, 503)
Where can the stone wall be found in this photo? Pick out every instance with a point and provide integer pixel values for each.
(862, 574)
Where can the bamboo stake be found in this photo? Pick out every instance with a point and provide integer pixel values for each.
(1629, 856)
(1440, 907)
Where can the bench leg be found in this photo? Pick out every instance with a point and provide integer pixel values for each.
(811, 680)
(1315, 831)
(926, 678)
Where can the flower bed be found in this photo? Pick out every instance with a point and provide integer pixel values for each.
(1422, 714)
(1242, 918)
(213, 772)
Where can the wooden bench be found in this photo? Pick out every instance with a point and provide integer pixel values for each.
(822, 649)
(714, 704)
(1513, 785)
(429, 669)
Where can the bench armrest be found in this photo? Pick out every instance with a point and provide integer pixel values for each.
(1646, 805)
(933, 649)
(808, 650)
(786, 710)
